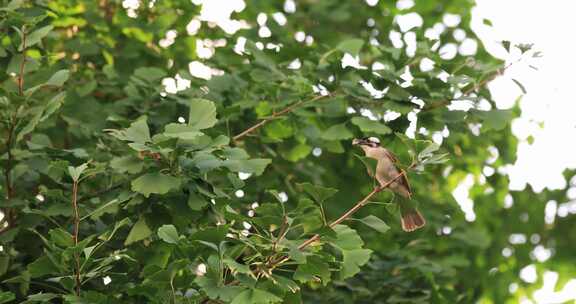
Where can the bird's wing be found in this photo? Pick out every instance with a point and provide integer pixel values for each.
(403, 179)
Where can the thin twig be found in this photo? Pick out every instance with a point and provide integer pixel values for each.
(75, 235)
(22, 65)
(282, 233)
(275, 115)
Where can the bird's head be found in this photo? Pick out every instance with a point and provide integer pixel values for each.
(371, 142)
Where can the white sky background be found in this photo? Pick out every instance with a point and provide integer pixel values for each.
(548, 109)
(550, 100)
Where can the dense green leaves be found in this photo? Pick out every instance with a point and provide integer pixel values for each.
(136, 116)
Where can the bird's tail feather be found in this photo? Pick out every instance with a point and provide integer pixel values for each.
(411, 219)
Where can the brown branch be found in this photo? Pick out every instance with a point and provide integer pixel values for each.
(22, 65)
(275, 115)
(342, 218)
(75, 236)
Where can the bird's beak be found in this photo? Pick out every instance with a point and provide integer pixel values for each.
(356, 141)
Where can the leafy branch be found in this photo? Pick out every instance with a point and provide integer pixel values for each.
(75, 173)
(473, 88)
(8, 215)
(275, 115)
(363, 202)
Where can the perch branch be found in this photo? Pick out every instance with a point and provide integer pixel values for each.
(343, 217)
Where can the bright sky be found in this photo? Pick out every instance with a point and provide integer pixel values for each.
(548, 109)
(549, 25)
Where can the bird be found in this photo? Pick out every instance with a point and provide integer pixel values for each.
(386, 170)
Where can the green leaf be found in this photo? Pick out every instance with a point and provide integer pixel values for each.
(41, 267)
(202, 114)
(150, 74)
(61, 237)
(76, 172)
(367, 125)
(347, 238)
(337, 132)
(205, 161)
(42, 297)
(216, 291)
(278, 129)
(297, 153)
(138, 132)
(506, 45)
(40, 114)
(58, 79)
(255, 166)
(318, 193)
(236, 267)
(127, 164)
(138, 232)
(168, 234)
(155, 183)
(181, 131)
(369, 163)
(352, 260)
(235, 153)
(308, 215)
(375, 223)
(196, 202)
(6, 296)
(313, 271)
(520, 85)
(351, 46)
(494, 119)
(36, 36)
(255, 296)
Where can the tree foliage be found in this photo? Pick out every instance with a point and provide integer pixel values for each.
(128, 177)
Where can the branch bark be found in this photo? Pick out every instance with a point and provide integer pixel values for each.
(22, 65)
(286, 110)
(75, 236)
